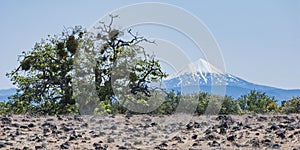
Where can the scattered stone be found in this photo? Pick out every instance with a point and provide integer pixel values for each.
(146, 133)
(231, 138)
(256, 144)
(110, 140)
(66, 129)
(267, 141)
(239, 124)
(9, 143)
(105, 146)
(137, 143)
(23, 127)
(197, 125)
(146, 119)
(127, 144)
(59, 117)
(194, 137)
(236, 128)
(247, 126)
(276, 146)
(65, 145)
(147, 126)
(196, 144)
(128, 116)
(209, 137)
(25, 120)
(6, 120)
(224, 124)
(208, 131)
(163, 144)
(290, 127)
(16, 125)
(46, 130)
(96, 144)
(190, 126)
(176, 138)
(78, 118)
(38, 147)
(73, 136)
(214, 144)
(137, 135)
(122, 147)
(222, 131)
(2, 144)
(281, 134)
(269, 130)
(241, 145)
(274, 127)
(31, 125)
(49, 124)
(49, 119)
(153, 124)
(297, 132)
(18, 132)
(85, 125)
(114, 127)
(261, 119)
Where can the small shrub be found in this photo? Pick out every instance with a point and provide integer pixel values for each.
(291, 106)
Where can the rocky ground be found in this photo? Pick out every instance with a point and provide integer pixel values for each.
(150, 132)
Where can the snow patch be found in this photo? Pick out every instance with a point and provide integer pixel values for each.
(198, 69)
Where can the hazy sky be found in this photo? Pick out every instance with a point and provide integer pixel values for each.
(259, 39)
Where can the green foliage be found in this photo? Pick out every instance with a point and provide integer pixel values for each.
(122, 70)
(168, 103)
(230, 106)
(203, 100)
(226, 104)
(291, 106)
(44, 75)
(254, 102)
(257, 102)
(4, 108)
(272, 107)
(45, 78)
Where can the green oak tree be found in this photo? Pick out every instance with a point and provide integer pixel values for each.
(122, 70)
(43, 78)
(61, 68)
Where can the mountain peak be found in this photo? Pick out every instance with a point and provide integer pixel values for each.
(199, 66)
(203, 75)
(203, 66)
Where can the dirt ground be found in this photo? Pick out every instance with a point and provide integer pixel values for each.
(19, 132)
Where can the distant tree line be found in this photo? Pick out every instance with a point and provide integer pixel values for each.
(252, 103)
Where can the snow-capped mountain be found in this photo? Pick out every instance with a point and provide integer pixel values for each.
(203, 76)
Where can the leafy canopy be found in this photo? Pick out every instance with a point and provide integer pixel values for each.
(57, 75)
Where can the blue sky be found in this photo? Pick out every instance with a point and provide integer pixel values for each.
(259, 39)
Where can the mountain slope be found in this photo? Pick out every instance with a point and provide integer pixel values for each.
(202, 76)
(5, 93)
